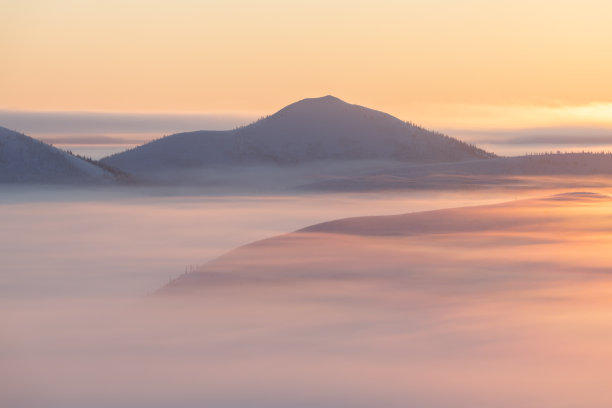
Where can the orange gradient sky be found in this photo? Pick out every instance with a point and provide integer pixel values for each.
(442, 63)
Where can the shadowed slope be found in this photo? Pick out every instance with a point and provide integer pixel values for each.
(27, 160)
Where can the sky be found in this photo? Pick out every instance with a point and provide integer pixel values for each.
(445, 64)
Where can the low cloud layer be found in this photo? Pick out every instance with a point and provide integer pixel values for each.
(500, 314)
(96, 125)
(583, 136)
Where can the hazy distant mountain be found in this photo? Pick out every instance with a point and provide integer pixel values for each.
(307, 131)
(433, 249)
(558, 168)
(26, 160)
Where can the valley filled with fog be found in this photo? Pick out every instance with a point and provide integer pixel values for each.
(504, 305)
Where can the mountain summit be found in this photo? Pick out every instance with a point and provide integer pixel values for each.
(310, 130)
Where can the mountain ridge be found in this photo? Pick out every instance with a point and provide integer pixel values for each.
(309, 130)
(24, 159)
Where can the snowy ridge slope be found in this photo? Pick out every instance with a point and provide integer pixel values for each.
(307, 131)
(328, 128)
(27, 160)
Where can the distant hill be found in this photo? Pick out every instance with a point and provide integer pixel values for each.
(27, 160)
(311, 130)
(537, 170)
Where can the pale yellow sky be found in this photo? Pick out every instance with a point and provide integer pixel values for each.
(437, 62)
